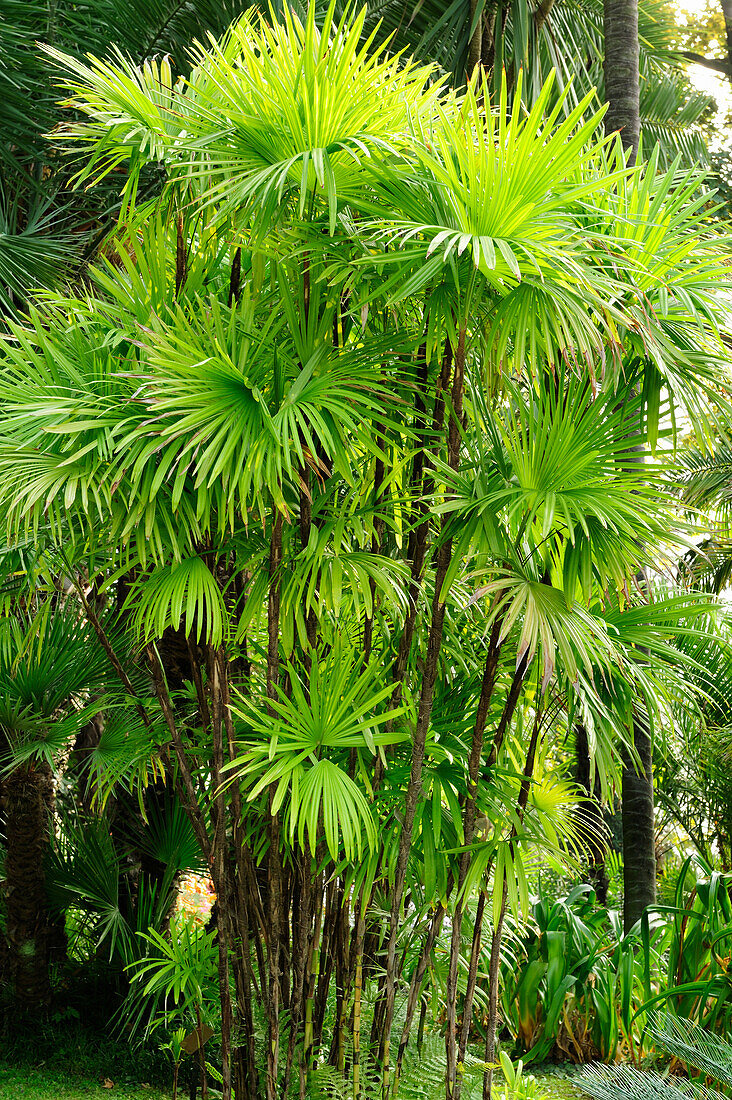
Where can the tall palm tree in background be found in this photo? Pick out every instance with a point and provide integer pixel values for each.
(621, 67)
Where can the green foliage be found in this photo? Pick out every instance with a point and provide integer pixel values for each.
(577, 985)
(181, 966)
(339, 428)
(516, 1084)
(697, 986)
(692, 1045)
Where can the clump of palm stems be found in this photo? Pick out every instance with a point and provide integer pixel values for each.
(328, 464)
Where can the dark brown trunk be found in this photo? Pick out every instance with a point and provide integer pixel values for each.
(639, 842)
(469, 815)
(26, 824)
(622, 84)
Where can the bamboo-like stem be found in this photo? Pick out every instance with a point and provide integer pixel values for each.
(376, 539)
(429, 679)
(494, 966)
(472, 978)
(498, 738)
(490, 673)
(417, 545)
(203, 707)
(216, 661)
(274, 865)
(93, 620)
(336, 953)
(201, 1055)
(300, 960)
(416, 983)
(328, 957)
(244, 1067)
(313, 971)
(358, 941)
(306, 522)
(493, 970)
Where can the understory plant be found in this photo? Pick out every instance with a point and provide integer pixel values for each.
(705, 1058)
(576, 987)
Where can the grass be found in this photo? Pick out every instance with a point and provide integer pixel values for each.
(44, 1083)
(554, 1084)
(75, 1052)
(72, 1053)
(52, 1083)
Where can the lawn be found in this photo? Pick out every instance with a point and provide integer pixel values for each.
(555, 1082)
(43, 1083)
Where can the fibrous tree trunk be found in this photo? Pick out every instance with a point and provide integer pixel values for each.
(639, 842)
(622, 91)
(622, 82)
(27, 825)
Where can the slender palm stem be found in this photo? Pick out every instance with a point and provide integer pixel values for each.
(444, 557)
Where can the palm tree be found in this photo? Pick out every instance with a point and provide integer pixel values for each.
(621, 69)
(566, 36)
(47, 661)
(321, 411)
(622, 90)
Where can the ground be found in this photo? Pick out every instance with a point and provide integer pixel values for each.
(555, 1082)
(44, 1083)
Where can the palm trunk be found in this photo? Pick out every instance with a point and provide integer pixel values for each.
(639, 841)
(622, 91)
(429, 679)
(26, 823)
(469, 817)
(622, 84)
(494, 966)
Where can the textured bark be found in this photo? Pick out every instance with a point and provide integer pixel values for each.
(639, 847)
(622, 86)
(27, 921)
(475, 49)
